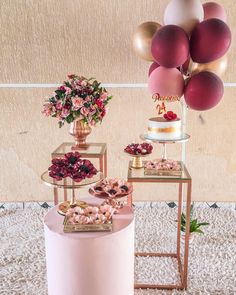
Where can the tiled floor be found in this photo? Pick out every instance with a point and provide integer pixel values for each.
(46, 205)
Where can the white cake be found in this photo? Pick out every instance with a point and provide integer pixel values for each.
(160, 128)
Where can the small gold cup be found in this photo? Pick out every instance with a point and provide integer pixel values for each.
(137, 162)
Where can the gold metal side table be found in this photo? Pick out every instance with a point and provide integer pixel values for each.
(93, 151)
(138, 175)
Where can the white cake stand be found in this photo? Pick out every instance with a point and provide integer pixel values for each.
(183, 138)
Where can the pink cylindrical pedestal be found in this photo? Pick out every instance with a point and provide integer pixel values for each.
(94, 263)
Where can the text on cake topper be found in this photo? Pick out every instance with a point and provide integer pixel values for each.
(160, 107)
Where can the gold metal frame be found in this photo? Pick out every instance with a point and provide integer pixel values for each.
(182, 267)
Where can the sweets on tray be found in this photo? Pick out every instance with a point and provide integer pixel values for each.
(139, 149)
(71, 165)
(163, 167)
(90, 215)
(111, 188)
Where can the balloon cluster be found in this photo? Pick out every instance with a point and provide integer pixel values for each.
(188, 52)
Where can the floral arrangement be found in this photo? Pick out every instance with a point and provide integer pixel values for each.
(112, 188)
(170, 116)
(91, 214)
(78, 98)
(139, 149)
(71, 165)
(166, 165)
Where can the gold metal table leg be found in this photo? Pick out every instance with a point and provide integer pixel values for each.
(183, 269)
(105, 163)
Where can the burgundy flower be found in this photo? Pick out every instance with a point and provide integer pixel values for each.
(99, 103)
(58, 172)
(59, 162)
(72, 158)
(170, 116)
(139, 149)
(72, 166)
(61, 88)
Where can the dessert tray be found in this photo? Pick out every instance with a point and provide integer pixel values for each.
(111, 189)
(89, 218)
(73, 228)
(162, 167)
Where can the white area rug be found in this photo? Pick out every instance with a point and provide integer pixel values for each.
(212, 264)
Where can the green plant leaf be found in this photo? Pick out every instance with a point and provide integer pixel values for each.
(199, 231)
(203, 223)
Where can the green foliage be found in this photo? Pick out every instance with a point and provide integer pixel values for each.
(194, 224)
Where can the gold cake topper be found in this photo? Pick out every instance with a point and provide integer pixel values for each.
(161, 107)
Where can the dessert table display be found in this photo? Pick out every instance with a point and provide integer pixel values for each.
(87, 263)
(92, 151)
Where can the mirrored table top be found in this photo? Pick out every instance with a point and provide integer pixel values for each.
(68, 182)
(93, 149)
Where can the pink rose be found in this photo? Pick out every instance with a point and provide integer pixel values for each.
(47, 109)
(83, 83)
(65, 113)
(92, 110)
(77, 103)
(84, 111)
(88, 98)
(104, 96)
(68, 90)
(59, 105)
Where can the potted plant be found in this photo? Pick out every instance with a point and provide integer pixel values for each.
(195, 225)
(80, 102)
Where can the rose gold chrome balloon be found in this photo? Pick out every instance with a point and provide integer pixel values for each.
(142, 39)
(218, 66)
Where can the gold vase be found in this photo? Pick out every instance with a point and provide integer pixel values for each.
(79, 130)
(137, 162)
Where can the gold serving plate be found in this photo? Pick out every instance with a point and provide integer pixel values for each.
(66, 205)
(163, 172)
(73, 228)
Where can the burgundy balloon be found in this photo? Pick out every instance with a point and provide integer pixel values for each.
(210, 40)
(153, 66)
(170, 46)
(203, 91)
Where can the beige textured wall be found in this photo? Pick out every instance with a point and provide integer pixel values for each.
(42, 41)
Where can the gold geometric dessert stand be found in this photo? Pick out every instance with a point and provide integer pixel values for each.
(68, 183)
(137, 176)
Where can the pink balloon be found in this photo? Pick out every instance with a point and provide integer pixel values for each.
(214, 10)
(153, 66)
(203, 91)
(210, 40)
(166, 82)
(170, 46)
